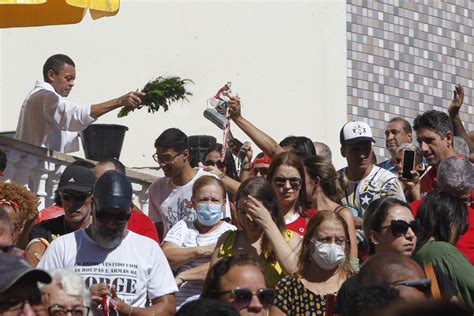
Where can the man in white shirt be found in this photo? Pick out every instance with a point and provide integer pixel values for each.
(48, 120)
(170, 196)
(114, 262)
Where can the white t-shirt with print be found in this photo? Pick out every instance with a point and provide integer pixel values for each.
(184, 235)
(170, 203)
(137, 267)
(380, 182)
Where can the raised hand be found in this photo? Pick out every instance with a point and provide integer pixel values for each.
(458, 99)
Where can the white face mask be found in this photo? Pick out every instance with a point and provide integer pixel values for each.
(328, 256)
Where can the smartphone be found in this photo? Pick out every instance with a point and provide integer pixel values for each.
(408, 163)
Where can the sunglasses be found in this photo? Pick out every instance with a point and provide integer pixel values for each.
(218, 163)
(400, 227)
(121, 218)
(74, 197)
(18, 305)
(59, 310)
(261, 171)
(423, 285)
(280, 182)
(242, 297)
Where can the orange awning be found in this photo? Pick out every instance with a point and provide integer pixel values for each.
(23, 13)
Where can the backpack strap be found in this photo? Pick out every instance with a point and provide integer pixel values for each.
(435, 292)
(338, 209)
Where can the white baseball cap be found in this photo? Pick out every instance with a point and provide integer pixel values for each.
(355, 132)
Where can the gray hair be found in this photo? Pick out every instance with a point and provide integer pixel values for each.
(411, 146)
(455, 175)
(460, 146)
(325, 150)
(71, 283)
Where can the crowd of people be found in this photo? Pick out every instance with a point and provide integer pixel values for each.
(281, 233)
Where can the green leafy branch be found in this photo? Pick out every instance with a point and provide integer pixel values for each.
(160, 93)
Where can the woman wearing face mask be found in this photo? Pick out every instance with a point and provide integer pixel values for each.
(189, 246)
(263, 237)
(322, 267)
(324, 190)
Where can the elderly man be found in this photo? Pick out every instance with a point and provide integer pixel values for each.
(114, 262)
(65, 294)
(48, 120)
(398, 132)
(19, 292)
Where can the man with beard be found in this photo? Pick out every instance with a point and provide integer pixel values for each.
(170, 196)
(115, 263)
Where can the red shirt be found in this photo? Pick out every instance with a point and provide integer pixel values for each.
(297, 223)
(466, 242)
(50, 212)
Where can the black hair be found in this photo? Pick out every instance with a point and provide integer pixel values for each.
(3, 160)
(117, 164)
(231, 170)
(376, 214)
(56, 63)
(173, 138)
(288, 141)
(442, 216)
(210, 288)
(300, 145)
(207, 307)
(370, 297)
(436, 121)
(406, 125)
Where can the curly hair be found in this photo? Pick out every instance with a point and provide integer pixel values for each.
(27, 201)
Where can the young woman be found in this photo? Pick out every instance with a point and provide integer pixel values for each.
(443, 219)
(323, 190)
(264, 236)
(323, 266)
(188, 247)
(286, 174)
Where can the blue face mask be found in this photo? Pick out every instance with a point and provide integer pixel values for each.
(208, 214)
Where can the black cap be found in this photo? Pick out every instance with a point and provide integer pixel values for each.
(113, 190)
(77, 178)
(13, 268)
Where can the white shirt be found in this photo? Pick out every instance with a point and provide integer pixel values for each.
(137, 267)
(48, 120)
(184, 235)
(170, 203)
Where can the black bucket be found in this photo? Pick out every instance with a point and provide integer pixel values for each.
(103, 141)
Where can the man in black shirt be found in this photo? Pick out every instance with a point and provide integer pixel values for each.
(75, 190)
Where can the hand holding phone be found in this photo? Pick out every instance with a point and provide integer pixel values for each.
(408, 164)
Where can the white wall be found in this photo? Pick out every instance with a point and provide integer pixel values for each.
(286, 59)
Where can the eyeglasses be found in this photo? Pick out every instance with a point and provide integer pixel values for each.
(280, 182)
(59, 310)
(423, 285)
(9, 248)
(74, 196)
(166, 159)
(218, 163)
(16, 305)
(338, 240)
(104, 216)
(243, 296)
(261, 171)
(400, 227)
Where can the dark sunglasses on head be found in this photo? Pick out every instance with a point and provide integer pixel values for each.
(242, 297)
(76, 196)
(106, 216)
(400, 227)
(280, 182)
(261, 171)
(423, 285)
(218, 164)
